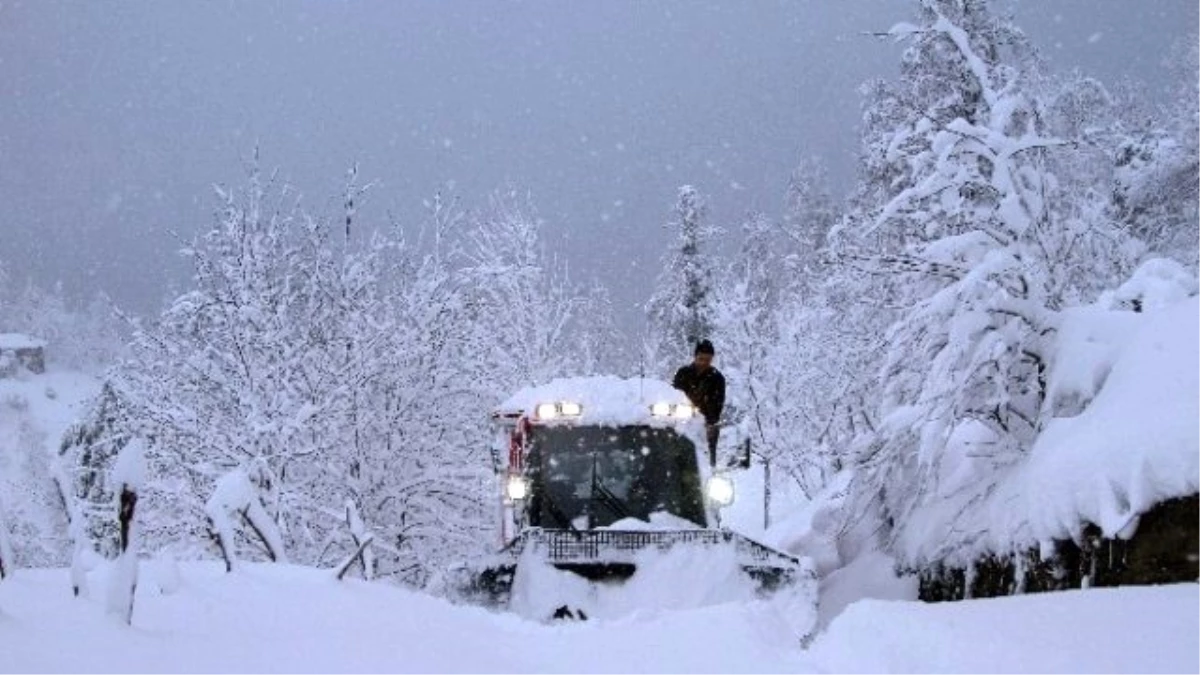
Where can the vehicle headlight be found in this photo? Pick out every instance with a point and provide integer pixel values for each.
(684, 411)
(719, 490)
(660, 409)
(680, 411)
(550, 411)
(517, 488)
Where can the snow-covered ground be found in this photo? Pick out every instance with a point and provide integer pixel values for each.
(275, 618)
(1132, 629)
(51, 401)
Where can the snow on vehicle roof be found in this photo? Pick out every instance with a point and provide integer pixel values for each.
(605, 399)
(1132, 447)
(20, 341)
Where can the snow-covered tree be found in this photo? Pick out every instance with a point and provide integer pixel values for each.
(524, 305)
(328, 362)
(970, 239)
(87, 455)
(743, 323)
(809, 214)
(681, 310)
(789, 355)
(598, 342)
(1156, 182)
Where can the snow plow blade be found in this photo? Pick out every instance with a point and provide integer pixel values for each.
(612, 556)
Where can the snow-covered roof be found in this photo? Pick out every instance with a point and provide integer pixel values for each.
(20, 341)
(605, 399)
(1134, 445)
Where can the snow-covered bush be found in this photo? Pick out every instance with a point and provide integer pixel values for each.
(361, 537)
(239, 497)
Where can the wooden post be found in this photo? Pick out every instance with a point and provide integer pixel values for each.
(125, 575)
(225, 546)
(125, 514)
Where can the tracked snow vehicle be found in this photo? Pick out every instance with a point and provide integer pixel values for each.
(601, 479)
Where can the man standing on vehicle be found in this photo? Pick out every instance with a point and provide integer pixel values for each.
(705, 388)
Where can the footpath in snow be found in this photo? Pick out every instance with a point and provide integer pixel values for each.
(276, 618)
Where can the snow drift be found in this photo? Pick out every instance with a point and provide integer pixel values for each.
(282, 618)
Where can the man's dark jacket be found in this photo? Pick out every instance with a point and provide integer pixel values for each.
(706, 390)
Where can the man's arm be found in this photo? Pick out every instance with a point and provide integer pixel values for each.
(678, 381)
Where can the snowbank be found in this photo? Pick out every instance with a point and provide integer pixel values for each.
(1133, 630)
(1134, 445)
(280, 618)
(870, 576)
(678, 578)
(817, 529)
(606, 400)
(659, 521)
(20, 341)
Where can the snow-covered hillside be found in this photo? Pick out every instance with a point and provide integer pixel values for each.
(35, 410)
(276, 618)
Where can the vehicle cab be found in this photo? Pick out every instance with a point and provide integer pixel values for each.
(603, 453)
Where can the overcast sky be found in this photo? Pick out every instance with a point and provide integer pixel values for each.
(117, 116)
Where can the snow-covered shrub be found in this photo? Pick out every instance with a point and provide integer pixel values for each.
(240, 497)
(361, 538)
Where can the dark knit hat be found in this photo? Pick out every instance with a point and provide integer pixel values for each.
(705, 347)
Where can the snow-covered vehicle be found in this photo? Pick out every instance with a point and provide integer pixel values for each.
(607, 503)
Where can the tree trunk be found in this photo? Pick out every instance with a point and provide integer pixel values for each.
(766, 493)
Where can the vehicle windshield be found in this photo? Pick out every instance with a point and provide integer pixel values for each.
(594, 476)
